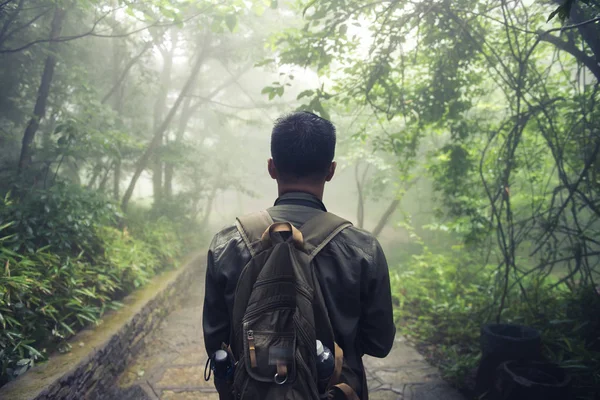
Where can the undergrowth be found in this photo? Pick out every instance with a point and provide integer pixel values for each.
(444, 299)
(67, 256)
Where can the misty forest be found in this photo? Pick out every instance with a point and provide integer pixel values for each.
(468, 143)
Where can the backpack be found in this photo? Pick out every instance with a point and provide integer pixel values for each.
(279, 313)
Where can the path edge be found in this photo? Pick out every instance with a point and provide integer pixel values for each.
(100, 354)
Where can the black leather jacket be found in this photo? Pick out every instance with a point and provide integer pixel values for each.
(352, 271)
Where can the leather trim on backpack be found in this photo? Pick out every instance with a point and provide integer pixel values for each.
(339, 363)
(297, 237)
(346, 391)
(334, 385)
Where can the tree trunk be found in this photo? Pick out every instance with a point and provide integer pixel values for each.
(360, 184)
(117, 179)
(157, 138)
(43, 91)
(95, 174)
(360, 209)
(580, 55)
(118, 90)
(385, 217)
(159, 112)
(208, 209)
(102, 184)
(184, 119)
(589, 32)
(186, 114)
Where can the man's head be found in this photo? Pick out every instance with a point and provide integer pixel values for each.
(302, 150)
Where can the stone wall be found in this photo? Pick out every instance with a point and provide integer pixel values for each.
(100, 354)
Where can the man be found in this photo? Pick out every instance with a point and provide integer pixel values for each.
(351, 268)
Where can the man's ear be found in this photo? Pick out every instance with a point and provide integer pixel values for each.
(331, 172)
(272, 169)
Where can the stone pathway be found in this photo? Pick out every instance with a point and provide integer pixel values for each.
(171, 367)
(405, 375)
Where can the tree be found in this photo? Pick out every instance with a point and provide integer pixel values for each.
(488, 79)
(39, 111)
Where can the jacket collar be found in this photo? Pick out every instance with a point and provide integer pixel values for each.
(300, 199)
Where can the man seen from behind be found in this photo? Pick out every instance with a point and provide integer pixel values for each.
(351, 268)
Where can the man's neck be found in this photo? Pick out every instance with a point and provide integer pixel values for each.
(315, 190)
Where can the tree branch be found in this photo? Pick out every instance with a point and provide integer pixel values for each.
(92, 32)
(580, 55)
(130, 65)
(10, 19)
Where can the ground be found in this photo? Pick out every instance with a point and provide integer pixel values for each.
(172, 365)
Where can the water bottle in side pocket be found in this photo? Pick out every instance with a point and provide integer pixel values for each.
(325, 366)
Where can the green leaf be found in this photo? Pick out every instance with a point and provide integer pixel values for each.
(563, 11)
(32, 351)
(264, 62)
(231, 21)
(305, 93)
(343, 29)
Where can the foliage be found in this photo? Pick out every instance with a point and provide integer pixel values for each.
(94, 94)
(491, 104)
(443, 299)
(563, 11)
(497, 110)
(64, 264)
(62, 219)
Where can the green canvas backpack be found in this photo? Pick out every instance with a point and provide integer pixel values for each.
(279, 313)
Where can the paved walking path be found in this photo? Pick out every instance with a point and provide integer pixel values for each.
(172, 365)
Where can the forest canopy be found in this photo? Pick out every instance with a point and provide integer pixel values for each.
(469, 141)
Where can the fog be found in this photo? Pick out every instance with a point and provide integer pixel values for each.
(468, 143)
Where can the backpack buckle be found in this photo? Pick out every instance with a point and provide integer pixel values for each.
(281, 376)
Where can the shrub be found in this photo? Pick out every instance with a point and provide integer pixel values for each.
(131, 260)
(443, 299)
(440, 302)
(43, 300)
(63, 263)
(163, 239)
(62, 218)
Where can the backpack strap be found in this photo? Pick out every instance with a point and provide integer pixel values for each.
(319, 230)
(252, 227)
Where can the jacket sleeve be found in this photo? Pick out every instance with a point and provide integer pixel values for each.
(377, 329)
(215, 315)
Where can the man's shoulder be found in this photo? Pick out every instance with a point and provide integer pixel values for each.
(357, 238)
(358, 233)
(224, 237)
(351, 236)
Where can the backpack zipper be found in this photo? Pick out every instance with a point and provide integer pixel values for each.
(251, 348)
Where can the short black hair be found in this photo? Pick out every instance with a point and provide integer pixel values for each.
(302, 146)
